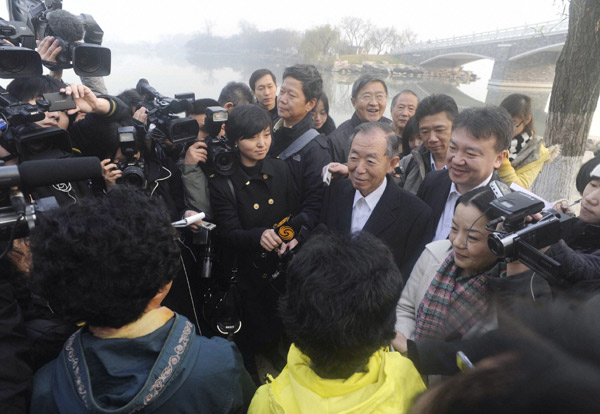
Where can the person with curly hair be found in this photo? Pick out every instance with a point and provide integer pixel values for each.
(109, 262)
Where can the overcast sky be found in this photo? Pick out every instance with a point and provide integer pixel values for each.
(134, 21)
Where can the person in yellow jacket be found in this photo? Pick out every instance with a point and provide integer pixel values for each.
(339, 311)
(527, 153)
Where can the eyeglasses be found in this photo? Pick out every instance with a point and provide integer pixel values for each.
(518, 125)
(367, 97)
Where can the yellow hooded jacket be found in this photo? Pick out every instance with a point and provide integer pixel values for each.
(388, 386)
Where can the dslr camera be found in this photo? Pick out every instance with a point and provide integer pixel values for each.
(221, 158)
(132, 167)
(520, 240)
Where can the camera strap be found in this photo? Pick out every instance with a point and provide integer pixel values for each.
(300, 142)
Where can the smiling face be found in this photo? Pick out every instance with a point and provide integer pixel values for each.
(404, 109)
(368, 163)
(57, 118)
(470, 161)
(590, 204)
(265, 90)
(291, 104)
(370, 102)
(254, 149)
(468, 237)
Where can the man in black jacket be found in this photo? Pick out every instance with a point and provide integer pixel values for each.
(369, 99)
(370, 200)
(296, 141)
(479, 142)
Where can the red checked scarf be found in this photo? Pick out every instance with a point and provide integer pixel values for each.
(452, 303)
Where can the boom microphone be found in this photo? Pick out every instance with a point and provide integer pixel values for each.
(66, 25)
(46, 172)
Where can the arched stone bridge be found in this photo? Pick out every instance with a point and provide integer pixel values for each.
(523, 56)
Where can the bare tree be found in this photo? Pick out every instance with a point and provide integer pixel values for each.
(574, 98)
(356, 30)
(381, 39)
(319, 43)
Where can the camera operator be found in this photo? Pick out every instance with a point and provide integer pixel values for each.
(88, 136)
(580, 258)
(195, 182)
(247, 206)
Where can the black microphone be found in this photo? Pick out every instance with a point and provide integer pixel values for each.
(65, 25)
(46, 172)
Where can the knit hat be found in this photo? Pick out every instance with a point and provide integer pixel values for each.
(586, 172)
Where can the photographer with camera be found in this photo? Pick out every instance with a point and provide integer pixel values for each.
(247, 208)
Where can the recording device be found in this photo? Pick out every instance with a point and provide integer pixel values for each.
(132, 168)
(58, 101)
(220, 158)
(17, 216)
(29, 141)
(187, 96)
(79, 37)
(161, 111)
(519, 240)
(20, 61)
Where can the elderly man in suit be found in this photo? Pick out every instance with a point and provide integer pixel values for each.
(370, 201)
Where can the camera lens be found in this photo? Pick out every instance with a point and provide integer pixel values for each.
(224, 162)
(133, 177)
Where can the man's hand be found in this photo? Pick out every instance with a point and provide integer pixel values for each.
(85, 100)
(562, 206)
(49, 49)
(336, 169)
(110, 173)
(141, 115)
(196, 153)
(400, 343)
(195, 226)
(270, 240)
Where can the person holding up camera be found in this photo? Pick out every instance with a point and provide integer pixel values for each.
(246, 207)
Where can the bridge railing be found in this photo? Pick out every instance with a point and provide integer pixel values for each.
(527, 31)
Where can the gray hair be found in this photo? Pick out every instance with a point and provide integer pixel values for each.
(391, 138)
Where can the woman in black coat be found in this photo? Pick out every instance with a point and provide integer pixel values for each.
(247, 206)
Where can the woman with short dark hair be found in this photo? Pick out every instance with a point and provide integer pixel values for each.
(324, 123)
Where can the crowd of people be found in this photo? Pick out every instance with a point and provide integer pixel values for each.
(346, 268)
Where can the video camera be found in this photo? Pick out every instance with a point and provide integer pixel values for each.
(520, 240)
(161, 111)
(87, 58)
(22, 138)
(20, 61)
(221, 157)
(17, 217)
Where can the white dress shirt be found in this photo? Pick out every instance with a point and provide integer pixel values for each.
(445, 223)
(432, 161)
(363, 207)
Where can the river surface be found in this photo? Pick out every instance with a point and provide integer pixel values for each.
(172, 72)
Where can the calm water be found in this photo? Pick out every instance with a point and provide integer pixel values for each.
(175, 74)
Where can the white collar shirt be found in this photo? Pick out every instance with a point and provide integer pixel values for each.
(445, 223)
(432, 161)
(364, 206)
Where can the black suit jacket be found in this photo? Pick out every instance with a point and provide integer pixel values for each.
(400, 220)
(434, 191)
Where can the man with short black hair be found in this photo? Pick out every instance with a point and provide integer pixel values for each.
(234, 94)
(370, 200)
(369, 99)
(264, 87)
(479, 143)
(434, 119)
(339, 311)
(296, 141)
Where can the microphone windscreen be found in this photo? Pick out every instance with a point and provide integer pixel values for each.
(65, 25)
(46, 172)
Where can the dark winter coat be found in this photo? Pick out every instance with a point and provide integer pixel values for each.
(339, 140)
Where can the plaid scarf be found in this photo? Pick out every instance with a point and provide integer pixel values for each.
(452, 303)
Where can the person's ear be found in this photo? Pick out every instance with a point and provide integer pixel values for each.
(310, 105)
(229, 106)
(499, 158)
(394, 162)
